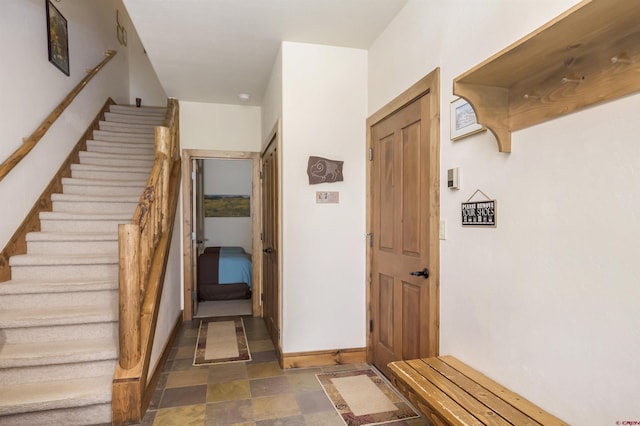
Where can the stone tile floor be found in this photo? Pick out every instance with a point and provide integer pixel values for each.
(254, 393)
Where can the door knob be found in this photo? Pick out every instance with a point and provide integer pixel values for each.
(268, 250)
(424, 273)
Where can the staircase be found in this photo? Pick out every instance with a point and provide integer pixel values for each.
(59, 312)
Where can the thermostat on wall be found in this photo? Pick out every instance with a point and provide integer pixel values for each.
(453, 178)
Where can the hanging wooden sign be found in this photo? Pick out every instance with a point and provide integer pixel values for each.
(479, 213)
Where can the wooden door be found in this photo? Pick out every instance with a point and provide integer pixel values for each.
(270, 224)
(197, 224)
(403, 323)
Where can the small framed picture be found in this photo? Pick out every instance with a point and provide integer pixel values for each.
(57, 38)
(463, 120)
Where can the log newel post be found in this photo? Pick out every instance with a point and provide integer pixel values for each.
(130, 297)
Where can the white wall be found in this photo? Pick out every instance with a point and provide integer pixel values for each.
(271, 110)
(143, 81)
(546, 303)
(228, 177)
(323, 282)
(219, 127)
(32, 87)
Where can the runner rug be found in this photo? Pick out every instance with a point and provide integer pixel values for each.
(361, 397)
(221, 340)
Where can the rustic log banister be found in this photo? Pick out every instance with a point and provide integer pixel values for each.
(33, 139)
(143, 246)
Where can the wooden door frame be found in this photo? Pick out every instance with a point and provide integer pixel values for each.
(187, 214)
(275, 136)
(429, 84)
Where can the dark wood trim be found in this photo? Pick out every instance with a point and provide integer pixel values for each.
(31, 223)
(323, 358)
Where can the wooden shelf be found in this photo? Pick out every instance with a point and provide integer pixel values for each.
(587, 55)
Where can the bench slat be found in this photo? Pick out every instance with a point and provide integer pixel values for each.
(486, 398)
(512, 398)
(436, 400)
(449, 392)
(458, 393)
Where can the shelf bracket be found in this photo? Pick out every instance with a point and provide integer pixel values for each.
(491, 105)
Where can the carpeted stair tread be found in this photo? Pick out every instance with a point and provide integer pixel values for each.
(88, 198)
(104, 182)
(147, 145)
(62, 259)
(71, 236)
(20, 318)
(13, 287)
(127, 127)
(116, 117)
(116, 156)
(84, 216)
(128, 137)
(114, 169)
(53, 395)
(45, 353)
(133, 110)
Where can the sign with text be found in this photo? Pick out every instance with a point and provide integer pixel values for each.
(479, 213)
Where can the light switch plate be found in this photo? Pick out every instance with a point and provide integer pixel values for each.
(327, 197)
(443, 229)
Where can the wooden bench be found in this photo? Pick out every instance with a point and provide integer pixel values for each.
(449, 392)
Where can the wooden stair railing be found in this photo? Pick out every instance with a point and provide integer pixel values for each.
(31, 141)
(144, 248)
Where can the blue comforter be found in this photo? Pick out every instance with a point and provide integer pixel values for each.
(234, 266)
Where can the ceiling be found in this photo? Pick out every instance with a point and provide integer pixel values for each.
(213, 50)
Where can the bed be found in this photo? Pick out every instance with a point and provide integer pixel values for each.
(224, 273)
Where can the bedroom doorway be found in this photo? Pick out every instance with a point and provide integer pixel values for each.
(234, 242)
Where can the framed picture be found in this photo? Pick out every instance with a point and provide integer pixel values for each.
(463, 120)
(57, 38)
(227, 206)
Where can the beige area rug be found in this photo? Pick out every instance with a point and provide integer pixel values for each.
(361, 397)
(221, 340)
(224, 308)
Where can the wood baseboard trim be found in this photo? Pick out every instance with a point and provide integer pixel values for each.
(324, 358)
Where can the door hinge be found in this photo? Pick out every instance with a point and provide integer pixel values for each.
(193, 175)
(262, 236)
(262, 297)
(193, 236)
(370, 235)
(261, 175)
(193, 295)
(370, 326)
(370, 153)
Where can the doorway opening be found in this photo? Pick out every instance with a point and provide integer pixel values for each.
(221, 233)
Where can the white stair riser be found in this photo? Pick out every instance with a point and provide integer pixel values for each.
(61, 272)
(95, 174)
(81, 225)
(132, 110)
(133, 119)
(57, 300)
(142, 129)
(120, 150)
(116, 162)
(61, 333)
(72, 247)
(11, 376)
(102, 190)
(94, 207)
(132, 138)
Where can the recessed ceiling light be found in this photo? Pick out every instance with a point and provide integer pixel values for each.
(244, 97)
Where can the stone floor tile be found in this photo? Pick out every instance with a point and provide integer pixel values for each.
(190, 395)
(303, 382)
(264, 369)
(325, 418)
(228, 391)
(192, 377)
(287, 421)
(275, 407)
(229, 412)
(314, 402)
(227, 372)
(188, 415)
(269, 386)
